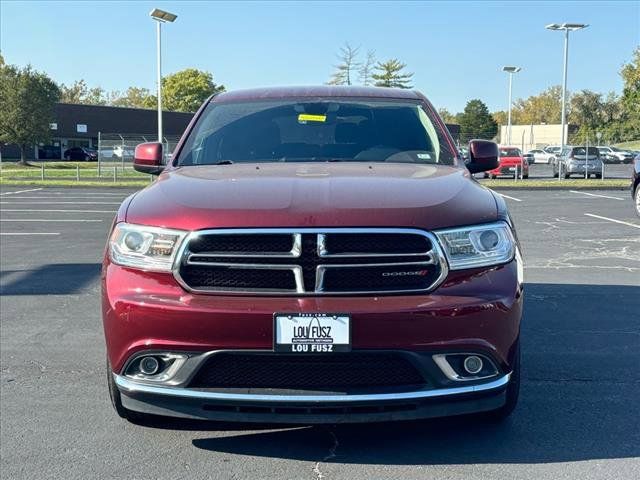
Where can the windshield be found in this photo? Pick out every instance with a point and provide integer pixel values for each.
(615, 149)
(509, 152)
(351, 130)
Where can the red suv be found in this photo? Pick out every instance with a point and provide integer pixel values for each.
(313, 255)
(512, 163)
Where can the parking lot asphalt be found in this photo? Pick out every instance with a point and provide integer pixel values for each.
(577, 418)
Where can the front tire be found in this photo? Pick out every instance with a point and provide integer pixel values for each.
(513, 392)
(637, 200)
(116, 401)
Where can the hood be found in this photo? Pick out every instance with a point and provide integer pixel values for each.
(313, 195)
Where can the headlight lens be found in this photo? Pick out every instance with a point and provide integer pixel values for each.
(477, 246)
(147, 248)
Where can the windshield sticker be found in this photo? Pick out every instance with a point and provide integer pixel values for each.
(307, 117)
(424, 156)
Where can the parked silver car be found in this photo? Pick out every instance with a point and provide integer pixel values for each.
(575, 160)
(540, 156)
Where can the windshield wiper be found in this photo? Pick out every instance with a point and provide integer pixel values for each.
(224, 162)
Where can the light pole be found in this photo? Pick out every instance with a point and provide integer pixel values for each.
(510, 71)
(566, 27)
(160, 16)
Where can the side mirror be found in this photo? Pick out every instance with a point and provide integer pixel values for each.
(483, 156)
(148, 158)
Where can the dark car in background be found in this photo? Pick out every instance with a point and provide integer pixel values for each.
(81, 153)
(577, 161)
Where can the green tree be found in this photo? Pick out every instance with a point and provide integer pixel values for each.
(586, 112)
(80, 93)
(447, 116)
(501, 117)
(630, 100)
(476, 122)
(133, 97)
(186, 90)
(27, 101)
(391, 74)
(345, 70)
(542, 108)
(366, 69)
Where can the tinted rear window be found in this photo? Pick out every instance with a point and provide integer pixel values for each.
(323, 130)
(582, 150)
(510, 152)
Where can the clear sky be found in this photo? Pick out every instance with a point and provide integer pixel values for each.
(456, 49)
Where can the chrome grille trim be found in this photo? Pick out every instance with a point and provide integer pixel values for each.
(296, 249)
(324, 253)
(184, 256)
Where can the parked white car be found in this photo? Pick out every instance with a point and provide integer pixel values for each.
(540, 156)
(119, 151)
(615, 155)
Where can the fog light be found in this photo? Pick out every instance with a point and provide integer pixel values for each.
(473, 364)
(149, 365)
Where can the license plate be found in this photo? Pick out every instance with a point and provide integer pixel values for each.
(311, 332)
(512, 169)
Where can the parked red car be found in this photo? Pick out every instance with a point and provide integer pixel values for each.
(511, 161)
(313, 255)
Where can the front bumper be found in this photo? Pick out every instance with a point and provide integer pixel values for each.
(474, 311)
(329, 408)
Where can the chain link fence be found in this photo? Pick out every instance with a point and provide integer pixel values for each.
(116, 150)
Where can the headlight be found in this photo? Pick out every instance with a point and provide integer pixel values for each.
(147, 248)
(477, 246)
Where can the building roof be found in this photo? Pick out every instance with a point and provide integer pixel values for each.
(316, 91)
(72, 119)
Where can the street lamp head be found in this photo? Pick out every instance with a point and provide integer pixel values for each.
(162, 16)
(575, 26)
(566, 26)
(511, 69)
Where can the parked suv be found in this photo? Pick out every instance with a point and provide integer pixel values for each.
(575, 160)
(512, 163)
(313, 255)
(615, 155)
(80, 153)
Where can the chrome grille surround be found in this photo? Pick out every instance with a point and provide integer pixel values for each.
(435, 254)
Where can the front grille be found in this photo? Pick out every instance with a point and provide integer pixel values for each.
(310, 261)
(307, 372)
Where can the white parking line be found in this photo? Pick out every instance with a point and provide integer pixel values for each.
(66, 193)
(596, 195)
(17, 220)
(510, 198)
(28, 233)
(21, 191)
(4, 202)
(55, 211)
(42, 197)
(613, 220)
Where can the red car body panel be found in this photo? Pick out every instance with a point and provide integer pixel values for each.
(510, 162)
(474, 308)
(313, 194)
